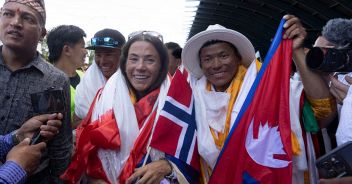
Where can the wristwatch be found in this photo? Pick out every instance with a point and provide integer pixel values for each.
(172, 175)
(15, 139)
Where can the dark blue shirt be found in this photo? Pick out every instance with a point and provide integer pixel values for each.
(10, 172)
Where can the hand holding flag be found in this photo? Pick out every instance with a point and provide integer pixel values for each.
(258, 148)
(175, 131)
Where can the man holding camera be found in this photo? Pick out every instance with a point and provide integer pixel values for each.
(23, 72)
(23, 158)
(338, 39)
(331, 54)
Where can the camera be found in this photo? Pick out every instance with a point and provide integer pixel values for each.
(330, 59)
(337, 163)
(47, 102)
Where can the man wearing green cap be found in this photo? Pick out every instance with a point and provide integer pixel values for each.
(23, 72)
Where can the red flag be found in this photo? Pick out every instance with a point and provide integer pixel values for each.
(258, 148)
(175, 131)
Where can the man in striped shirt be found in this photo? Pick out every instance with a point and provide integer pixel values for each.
(22, 158)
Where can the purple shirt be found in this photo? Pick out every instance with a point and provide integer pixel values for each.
(10, 172)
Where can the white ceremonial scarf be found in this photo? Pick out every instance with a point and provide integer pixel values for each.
(299, 161)
(92, 80)
(206, 103)
(344, 129)
(116, 96)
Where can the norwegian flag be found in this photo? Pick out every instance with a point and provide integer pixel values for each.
(176, 129)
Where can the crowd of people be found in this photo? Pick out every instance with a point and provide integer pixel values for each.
(101, 132)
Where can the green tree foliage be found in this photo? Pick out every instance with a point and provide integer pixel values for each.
(90, 54)
(43, 49)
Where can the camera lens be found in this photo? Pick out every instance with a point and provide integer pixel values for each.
(315, 58)
(329, 59)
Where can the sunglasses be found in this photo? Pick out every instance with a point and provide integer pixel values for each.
(150, 33)
(105, 41)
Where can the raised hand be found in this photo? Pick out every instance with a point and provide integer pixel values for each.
(295, 31)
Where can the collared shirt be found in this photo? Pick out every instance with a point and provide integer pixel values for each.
(10, 172)
(16, 108)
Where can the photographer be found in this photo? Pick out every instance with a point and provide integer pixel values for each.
(331, 54)
(24, 158)
(335, 45)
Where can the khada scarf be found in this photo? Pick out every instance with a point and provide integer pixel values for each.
(114, 159)
(92, 80)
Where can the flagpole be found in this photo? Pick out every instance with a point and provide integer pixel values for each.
(146, 156)
(145, 160)
(149, 148)
(151, 135)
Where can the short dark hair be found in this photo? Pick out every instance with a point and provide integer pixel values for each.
(61, 35)
(172, 45)
(175, 48)
(160, 48)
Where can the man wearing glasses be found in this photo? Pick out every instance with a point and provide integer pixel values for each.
(107, 45)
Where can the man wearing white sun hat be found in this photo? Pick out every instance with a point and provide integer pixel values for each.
(222, 66)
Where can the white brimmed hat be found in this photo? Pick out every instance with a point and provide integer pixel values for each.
(190, 57)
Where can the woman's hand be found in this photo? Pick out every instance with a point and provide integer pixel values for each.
(151, 173)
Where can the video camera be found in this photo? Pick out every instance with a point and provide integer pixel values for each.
(330, 59)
